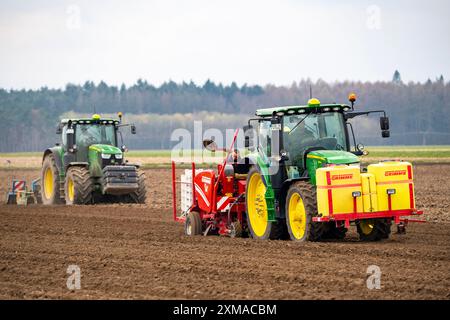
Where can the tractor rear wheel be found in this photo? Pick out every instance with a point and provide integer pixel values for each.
(256, 208)
(373, 229)
(193, 224)
(78, 186)
(50, 181)
(301, 206)
(140, 195)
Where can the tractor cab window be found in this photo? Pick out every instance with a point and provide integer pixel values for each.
(64, 136)
(324, 131)
(264, 137)
(89, 134)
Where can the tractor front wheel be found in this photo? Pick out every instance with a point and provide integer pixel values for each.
(140, 195)
(256, 208)
(50, 181)
(193, 224)
(78, 186)
(373, 229)
(301, 206)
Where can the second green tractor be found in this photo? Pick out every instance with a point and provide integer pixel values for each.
(88, 165)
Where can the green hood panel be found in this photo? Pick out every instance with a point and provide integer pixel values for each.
(334, 156)
(317, 159)
(104, 148)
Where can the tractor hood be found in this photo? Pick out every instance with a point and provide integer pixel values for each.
(320, 158)
(333, 156)
(105, 149)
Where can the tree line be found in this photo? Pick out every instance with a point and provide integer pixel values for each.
(419, 112)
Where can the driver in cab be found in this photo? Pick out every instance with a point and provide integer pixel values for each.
(300, 133)
(85, 138)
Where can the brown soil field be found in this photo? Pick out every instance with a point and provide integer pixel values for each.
(138, 252)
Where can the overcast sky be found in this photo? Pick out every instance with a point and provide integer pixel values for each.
(51, 43)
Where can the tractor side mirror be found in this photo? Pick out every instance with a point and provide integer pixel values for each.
(70, 134)
(210, 145)
(384, 123)
(59, 129)
(133, 129)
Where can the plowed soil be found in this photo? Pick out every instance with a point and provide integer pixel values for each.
(137, 251)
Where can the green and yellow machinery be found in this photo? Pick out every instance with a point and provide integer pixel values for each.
(88, 165)
(300, 177)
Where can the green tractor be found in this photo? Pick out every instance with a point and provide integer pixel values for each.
(305, 181)
(88, 166)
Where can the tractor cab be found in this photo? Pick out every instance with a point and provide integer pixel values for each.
(92, 138)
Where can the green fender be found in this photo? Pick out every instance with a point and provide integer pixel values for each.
(263, 167)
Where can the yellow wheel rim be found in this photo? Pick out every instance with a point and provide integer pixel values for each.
(257, 207)
(70, 189)
(48, 183)
(366, 226)
(297, 216)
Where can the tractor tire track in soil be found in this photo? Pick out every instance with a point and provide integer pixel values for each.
(138, 252)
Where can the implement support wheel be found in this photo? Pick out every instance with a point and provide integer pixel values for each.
(373, 229)
(193, 224)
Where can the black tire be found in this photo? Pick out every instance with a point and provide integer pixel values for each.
(387, 229)
(50, 197)
(83, 186)
(333, 232)
(273, 230)
(140, 195)
(193, 224)
(314, 230)
(381, 229)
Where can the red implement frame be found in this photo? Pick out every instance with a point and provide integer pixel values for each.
(396, 215)
(213, 209)
(174, 192)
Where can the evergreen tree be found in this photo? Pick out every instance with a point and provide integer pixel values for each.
(397, 79)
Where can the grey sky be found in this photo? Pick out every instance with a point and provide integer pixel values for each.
(50, 43)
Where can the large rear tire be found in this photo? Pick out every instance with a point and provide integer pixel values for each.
(78, 186)
(140, 195)
(373, 229)
(301, 206)
(50, 181)
(256, 208)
